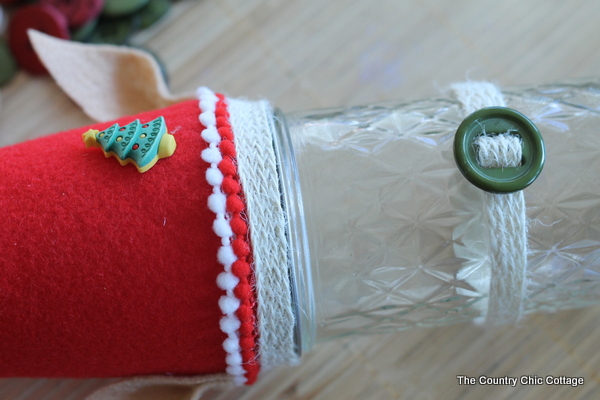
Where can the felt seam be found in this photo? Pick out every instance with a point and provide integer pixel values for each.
(227, 202)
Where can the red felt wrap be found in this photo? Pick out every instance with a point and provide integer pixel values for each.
(105, 271)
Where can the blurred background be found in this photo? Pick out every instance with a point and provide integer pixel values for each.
(314, 54)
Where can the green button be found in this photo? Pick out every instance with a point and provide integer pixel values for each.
(493, 121)
(115, 30)
(153, 12)
(8, 65)
(83, 33)
(119, 8)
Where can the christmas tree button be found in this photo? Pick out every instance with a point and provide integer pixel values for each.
(141, 144)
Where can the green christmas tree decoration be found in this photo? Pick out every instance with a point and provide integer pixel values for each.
(139, 144)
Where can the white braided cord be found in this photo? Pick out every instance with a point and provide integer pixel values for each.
(506, 213)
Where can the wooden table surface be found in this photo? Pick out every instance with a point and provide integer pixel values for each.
(312, 54)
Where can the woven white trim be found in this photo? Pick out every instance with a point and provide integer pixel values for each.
(474, 95)
(253, 128)
(227, 281)
(506, 213)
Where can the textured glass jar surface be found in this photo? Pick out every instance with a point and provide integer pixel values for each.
(398, 237)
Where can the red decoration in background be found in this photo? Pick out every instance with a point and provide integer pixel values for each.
(78, 12)
(41, 17)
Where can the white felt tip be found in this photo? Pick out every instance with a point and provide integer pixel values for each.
(229, 305)
(208, 119)
(212, 155)
(96, 77)
(211, 135)
(217, 202)
(227, 281)
(214, 176)
(229, 324)
(231, 344)
(225, 255)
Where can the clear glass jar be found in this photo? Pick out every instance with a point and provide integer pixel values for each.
(386, 234)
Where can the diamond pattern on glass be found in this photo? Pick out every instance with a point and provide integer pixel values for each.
(397, 235)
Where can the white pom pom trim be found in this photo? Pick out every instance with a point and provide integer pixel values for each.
(229, 304)
(212, 155)
(216, 203)
(239, 380)
(214, 176)
(229, 325)
(227, 281)
(235, 370)
(207, 118)
(211, 135)
(203, 91)
(232, 344)
(234, 359)
(226, 256)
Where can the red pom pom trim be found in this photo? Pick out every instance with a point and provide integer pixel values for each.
(240, 243)
(227, 167)
(230, 185)
(221, 112)
(245, 312)
(241, 268)
(235, 205)
(225, 133)
(240, 247)
(238, 226)
(246, 330)
(227, 147)
(224, 122)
